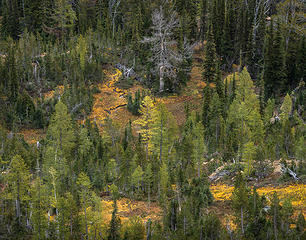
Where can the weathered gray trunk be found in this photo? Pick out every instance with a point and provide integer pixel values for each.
(161, 79)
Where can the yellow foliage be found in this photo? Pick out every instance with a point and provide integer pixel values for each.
(31, 136)
(128, 208)
(296, 193)
(50, 94)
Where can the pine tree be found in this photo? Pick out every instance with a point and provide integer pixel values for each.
(60, 130)
(164, 181)
(81, 49)
(274, 67)
(39, 200)
(227, 47)
(148, 179)
(244, 114)
(137, 177)
(10, 24)
(164, 131)
(300, 61)
(115, 225)
(210, 59)
(249, 151)
(84, 184)
(35, 14)
(240, 201)
(207, 92)
(146, 122)
(63, 19)
(216, 19)
(18, 182)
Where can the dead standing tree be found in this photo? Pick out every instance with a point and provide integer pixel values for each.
(113, 12)
(164, 56)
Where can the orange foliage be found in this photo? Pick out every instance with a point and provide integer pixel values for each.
(31, 136)
(296, 193)
(128, 208)
(50, 94)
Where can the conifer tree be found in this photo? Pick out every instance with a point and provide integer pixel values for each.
(10, 24)
(164, 181)
(18, 182)
(148, 179)
(61, 131)
(81, 49)
(85, 194)
(244, 113)
(146, 122)
(274, 68)
(137, 177)
(63, 19)
(39, 200)
(240, 201)
(227, 49)
(210, 59)
(115, 225)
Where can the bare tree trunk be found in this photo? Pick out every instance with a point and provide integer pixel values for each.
(161, 79)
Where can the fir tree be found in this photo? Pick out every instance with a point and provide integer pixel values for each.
(115, 225)
(210, 59)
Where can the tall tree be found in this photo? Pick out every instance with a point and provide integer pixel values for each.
(63, 19)
(210, 58)
(164, 56)
(146, 122)
(274, 67)
(18, 182)
(115, 225)
(84, 185)
(244, 115)
(11, 13)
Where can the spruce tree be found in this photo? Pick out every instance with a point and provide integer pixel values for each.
(274, 67)
(115, 225)
(210, 59)
(11, 14)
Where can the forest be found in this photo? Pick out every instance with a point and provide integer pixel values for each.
(152, 119)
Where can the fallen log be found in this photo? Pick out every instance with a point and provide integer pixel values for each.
(289, 171)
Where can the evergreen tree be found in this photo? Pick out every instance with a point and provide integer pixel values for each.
(274, 68)
(10, 24)
(16, 191)
(115, 225)
(164, 181)
(63, 19)
(146, 122)
(85, 195)
(148, 179)
(240, 200)
(210, 59)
